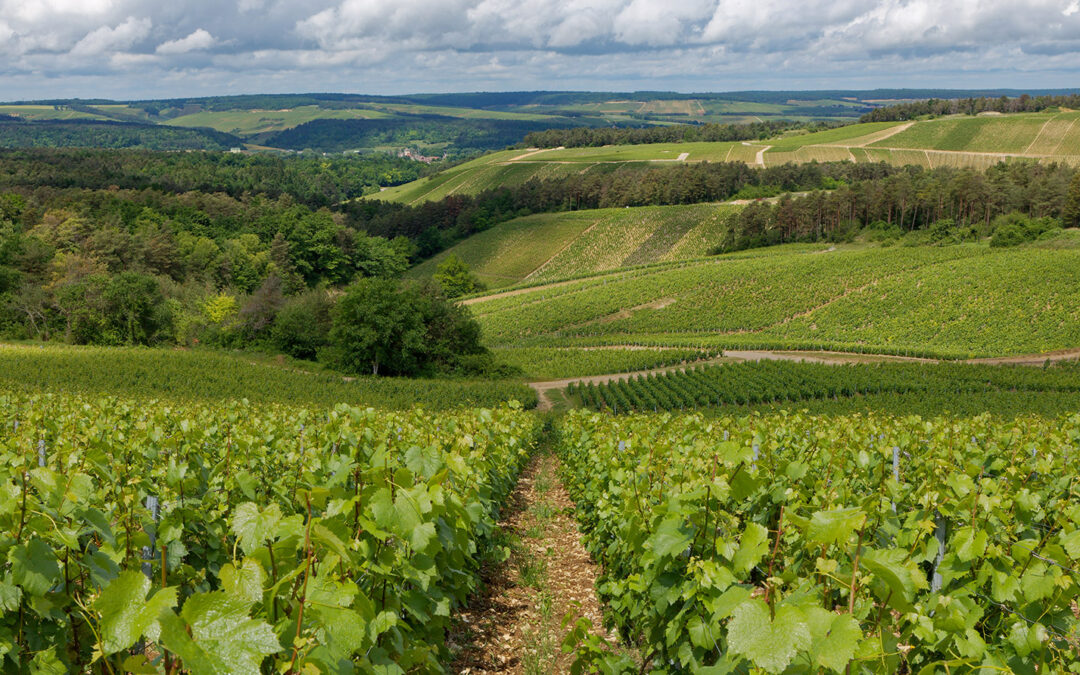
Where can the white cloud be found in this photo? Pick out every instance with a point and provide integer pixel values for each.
(197, 41)
(509, 44)
(106, 39)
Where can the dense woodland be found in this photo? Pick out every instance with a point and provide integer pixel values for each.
(315, 181)
(459, 137)
(1010, 202)
(970, 106)
(580, 137)
(18, 133)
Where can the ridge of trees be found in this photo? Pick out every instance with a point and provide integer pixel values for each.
(1012, 202)
(314, 181)
(902, 112)
(580, 137)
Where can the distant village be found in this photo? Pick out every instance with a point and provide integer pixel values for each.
(408, 153)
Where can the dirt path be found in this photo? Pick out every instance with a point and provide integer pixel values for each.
(515, 625)
(533, 151)
(760, 158)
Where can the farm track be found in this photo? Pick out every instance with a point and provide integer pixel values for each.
(515, 624)
(826, 357)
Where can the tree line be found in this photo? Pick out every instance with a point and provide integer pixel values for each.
(315, 181)
(581, 137)
(19, 133)
(147, 267)
(901, 112)
(1012, 202)
(433, 226)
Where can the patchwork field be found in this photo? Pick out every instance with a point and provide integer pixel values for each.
(976, 142)
(559, 245)
(958, 301)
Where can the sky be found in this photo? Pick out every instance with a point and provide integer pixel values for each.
(137, 49)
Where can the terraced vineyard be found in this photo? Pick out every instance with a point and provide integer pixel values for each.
(558, 245)
(956, 301)
(852, 544)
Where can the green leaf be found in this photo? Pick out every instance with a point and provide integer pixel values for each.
(252, 526)
(46, 662)
(752, 548)
(770, 644)
(125, 613)
(669, 539)
(424, 462)
(10, 594)
(969, 544)
(34, 567)
(834, 526)
(835, 638)
(245, 583)
(223, 638)
(902, 580)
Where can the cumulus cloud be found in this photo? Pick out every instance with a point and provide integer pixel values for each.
(198, 40)
(288, 45)
(113, 39)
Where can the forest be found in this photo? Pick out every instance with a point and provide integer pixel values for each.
(1010, 202)
(581, 137)
(315, 181)
(970, 106)
(19, 133)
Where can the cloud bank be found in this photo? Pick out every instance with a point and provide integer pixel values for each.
(144, 48)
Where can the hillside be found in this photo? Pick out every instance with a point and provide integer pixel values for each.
(558, 245)
(962, 300)
(960, 141)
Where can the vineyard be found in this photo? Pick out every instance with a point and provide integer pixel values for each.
(853, 544)
(552, 246)
(232, 538)
(948, 385)
(553, 363)
(954, 302)
(209, 376)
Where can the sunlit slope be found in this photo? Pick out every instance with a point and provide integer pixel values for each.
(560, 245)
(961, 141)
(949, 301)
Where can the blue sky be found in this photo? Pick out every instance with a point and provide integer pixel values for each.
(159, 48)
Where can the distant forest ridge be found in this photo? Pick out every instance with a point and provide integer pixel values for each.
(517, 98)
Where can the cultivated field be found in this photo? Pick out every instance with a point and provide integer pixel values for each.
(965, 300)
(976, 142)
(558, 245)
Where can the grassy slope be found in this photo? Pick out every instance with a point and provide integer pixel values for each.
(954, 141)
(558, 245)
(251, 122)
(203, 375)
(954, 301)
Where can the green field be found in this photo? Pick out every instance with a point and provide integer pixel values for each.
(559, 245)
(208, 377)
(253, 122)
(957, 301)
(976, 142)
(47, 112)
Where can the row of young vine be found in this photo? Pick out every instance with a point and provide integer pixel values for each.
(174, 538)
(792, 544)
(775, 381)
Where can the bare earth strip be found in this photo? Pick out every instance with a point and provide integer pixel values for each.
(514, 626)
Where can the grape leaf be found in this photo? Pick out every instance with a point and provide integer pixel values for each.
(752, 547)
(34, 567)
(125, 612)
(835, 638)
(834, 526)
(252, 526)
(770, 644)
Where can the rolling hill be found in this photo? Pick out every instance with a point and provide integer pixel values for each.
(954, 301)
(558, 245)
(962, 141)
